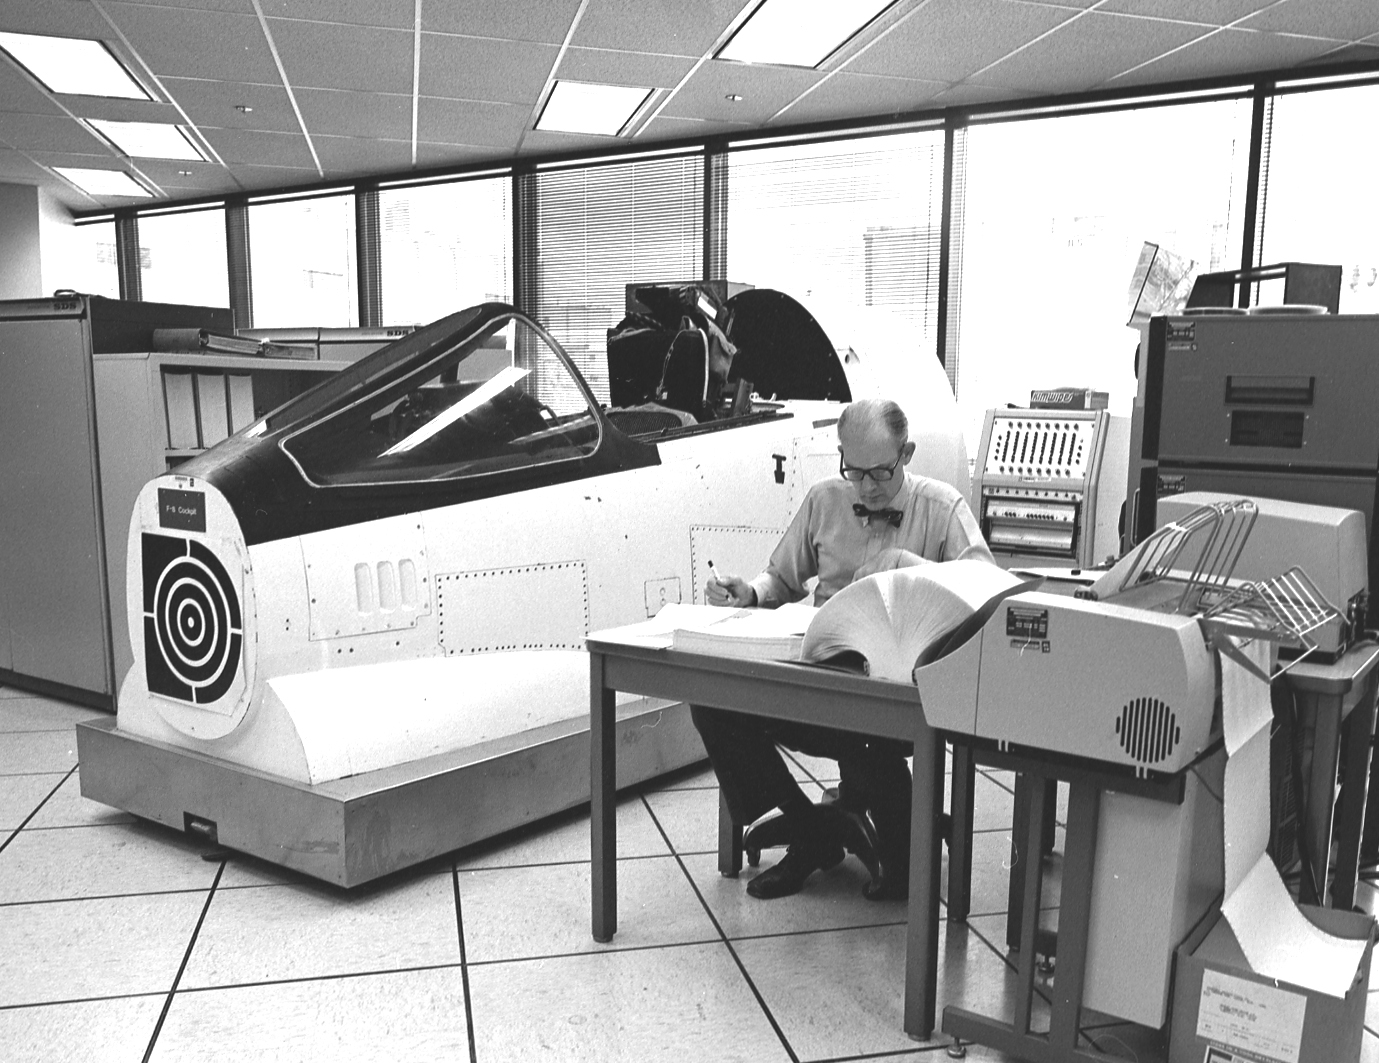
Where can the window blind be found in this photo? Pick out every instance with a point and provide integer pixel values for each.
(850, 229)
(600, 228)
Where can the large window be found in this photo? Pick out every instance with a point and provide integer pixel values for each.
(1057, 211)
(444, 247)
(301, 261)
(182, 258)
(851, 230)
(81, 258)
(601, 228)
(1320, 203)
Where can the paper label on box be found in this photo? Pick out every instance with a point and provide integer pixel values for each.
(1252, 1017)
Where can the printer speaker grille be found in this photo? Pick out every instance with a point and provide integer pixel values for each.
(1148, 730)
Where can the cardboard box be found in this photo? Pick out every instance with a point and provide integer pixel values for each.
(1225, 1013)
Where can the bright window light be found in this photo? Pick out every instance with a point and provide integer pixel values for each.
(499, 382)
(579, 107)
(148, 140)
(72, 65)
(799, 32)
(103, 182)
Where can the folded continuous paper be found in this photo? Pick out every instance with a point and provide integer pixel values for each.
(1278, 940)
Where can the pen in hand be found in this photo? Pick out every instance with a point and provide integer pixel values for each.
(714, 572)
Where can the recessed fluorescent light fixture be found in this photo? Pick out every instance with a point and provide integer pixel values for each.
(799, 32)
(104, 182)
(581, 107)
(73, 65)
(148, 140)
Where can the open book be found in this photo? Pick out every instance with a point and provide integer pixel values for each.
(756, 634)
(883, 622)
(890, 619)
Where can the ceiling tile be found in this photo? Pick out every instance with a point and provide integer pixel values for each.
(212, 104)
(495, 125)
(969, 95)
(43, 132)
(203, 176)
(1216, 13)
(859, 95)
(16, 166)
(667, 27)
(18, 93)
(1346, 20)
(435, 156)
(623, 68)
(1349, 53)
(543, 21)
(62, 18)
(949, 40)
(199, 44)
(397, 14)
(545, 142)
(1085, 53)
(764, 91)
(327, 56)
(663, 127)
(120, 110)
(1225, 52)
(260, 178)
(356, 114)
(241, 6)
(347, 156)
(463, 68)
(260, 147)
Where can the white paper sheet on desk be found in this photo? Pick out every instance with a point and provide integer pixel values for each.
(1278, 940)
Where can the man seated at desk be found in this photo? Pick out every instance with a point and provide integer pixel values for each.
(877, 516)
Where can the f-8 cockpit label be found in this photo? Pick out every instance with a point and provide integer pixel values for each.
(183, 510)
(1028, 628)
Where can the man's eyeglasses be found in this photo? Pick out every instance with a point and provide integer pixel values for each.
(879, 473)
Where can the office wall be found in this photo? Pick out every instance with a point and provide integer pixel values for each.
(20, 266)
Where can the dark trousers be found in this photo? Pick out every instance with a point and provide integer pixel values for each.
(754, 779)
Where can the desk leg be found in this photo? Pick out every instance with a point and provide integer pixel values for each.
(1031, 889)
(1019, 828)
(729, 841)
(960, 841)
(1325, 721)
(603, 782)
(1074, 913)
(1359, 734)
(921, 943)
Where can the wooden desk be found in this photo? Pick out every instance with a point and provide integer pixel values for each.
(1334, 699)
(783, 691)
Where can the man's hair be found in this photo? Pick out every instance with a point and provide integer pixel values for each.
(883, 412)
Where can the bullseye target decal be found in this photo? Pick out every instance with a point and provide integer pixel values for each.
(192, 625)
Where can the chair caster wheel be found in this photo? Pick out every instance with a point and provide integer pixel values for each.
(1044, 965)
(753, 857)
(957, 1050)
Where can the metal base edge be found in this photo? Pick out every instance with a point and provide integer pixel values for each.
(351, 831)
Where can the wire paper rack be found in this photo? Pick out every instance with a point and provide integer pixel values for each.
(1285, 609)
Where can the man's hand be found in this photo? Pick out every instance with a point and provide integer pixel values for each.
(886, 560)
(730, 590)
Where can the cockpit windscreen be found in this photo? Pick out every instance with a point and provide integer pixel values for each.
(500, 399)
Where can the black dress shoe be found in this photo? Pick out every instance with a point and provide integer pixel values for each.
(854, 832)
(788, 875)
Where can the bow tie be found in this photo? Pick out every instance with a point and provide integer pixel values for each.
(890, 516)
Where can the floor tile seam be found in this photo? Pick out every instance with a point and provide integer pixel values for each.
(1005, 958)
(31, 774)
(727, 944)
(373, 972)
(848, 928)
(182, 967)
(464, 963)
(37, 808)
(885, 1054)
(33, 730)
(597, 949)
(81, 1000)
(103, 897)
(80, 826)
(581, 862)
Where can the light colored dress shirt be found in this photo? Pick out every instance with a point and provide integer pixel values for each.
(826, 539)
